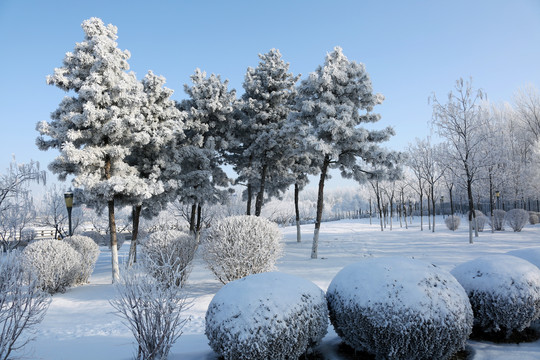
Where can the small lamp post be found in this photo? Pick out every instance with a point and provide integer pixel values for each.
(442, 211)
(497, 194)
(68, 197)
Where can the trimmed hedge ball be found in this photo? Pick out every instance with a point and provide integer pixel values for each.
(504, 292)
(266, 316)
(243, 245)
(400, 308)
(89, 251)
(57, 264)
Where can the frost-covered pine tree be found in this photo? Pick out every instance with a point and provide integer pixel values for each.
(98, 123)
(162, 127)
(330, 103)
(210, 118)
(269, 94)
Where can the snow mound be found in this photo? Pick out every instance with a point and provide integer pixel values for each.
(531, 254)
(266, 316)
(400, 308)
(504, 291)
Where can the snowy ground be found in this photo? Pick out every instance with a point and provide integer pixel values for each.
(80, 324)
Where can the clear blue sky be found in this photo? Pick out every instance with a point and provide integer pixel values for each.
(410, 49)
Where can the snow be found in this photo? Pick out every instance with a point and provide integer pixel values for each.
(80, 323)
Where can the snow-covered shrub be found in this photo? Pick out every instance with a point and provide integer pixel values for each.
(152, 310)
(480, 220)
(452, 222)
(517, 219)
(399, 308)
(169, 254)
(498, 220)
(56, 264)
(89, 251)
(533, 218)
(531, 254)
(504, 292)
(22, 304)
(238, 246)
(266, 316)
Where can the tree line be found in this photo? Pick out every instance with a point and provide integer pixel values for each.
(126, 142)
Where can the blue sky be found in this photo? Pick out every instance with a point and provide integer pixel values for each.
(410, 48)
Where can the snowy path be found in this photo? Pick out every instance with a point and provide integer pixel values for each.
(80, 324)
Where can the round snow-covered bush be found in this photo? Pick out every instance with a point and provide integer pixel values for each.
(56, 264)
(480, 220)
(239, 246)
(533, 218)
(531, 254)
(517, 219)
(89, 251)
(400, 308)
(504, 292)
(266, 316)
(168, 255)
(452, 222)
(498, 219)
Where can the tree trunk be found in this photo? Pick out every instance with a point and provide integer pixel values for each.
(472, 213)
(297, 212)
(249, 196)
(134, 235)
(198, 226)
(421, 210)
(429, 210)
(260, 195)
(369, 211)
(112, 228)
(433, 201)
(114, 243)
(320, 204)
(491, 201)
(192, 218)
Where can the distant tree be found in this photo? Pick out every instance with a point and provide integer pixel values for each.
(16, 205)
(459, 122)
(267, 100)
(97, 124)
(330, 101)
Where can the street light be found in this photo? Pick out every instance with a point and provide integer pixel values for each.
(497, 194)
(442, 200)
(68, 197)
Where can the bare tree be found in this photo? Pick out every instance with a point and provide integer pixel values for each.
(459, 122)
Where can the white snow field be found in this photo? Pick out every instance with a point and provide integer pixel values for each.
(80, 324)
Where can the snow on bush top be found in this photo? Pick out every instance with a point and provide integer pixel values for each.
(411, 286)
(284, 290)
(532, 255)
(498, 275)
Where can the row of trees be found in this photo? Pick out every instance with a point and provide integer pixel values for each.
(488, 153)
(126, 142)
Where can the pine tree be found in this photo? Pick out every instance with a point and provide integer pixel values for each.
(330, 101)
(269, 95)
(210, 115)
(163, 126)
(97, 124)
